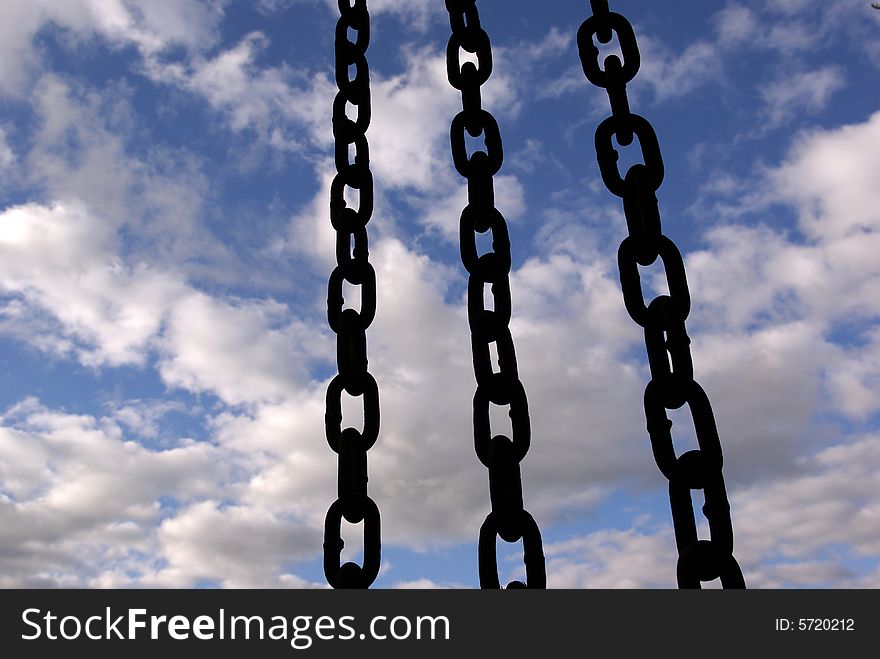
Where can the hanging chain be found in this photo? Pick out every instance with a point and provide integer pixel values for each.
(350, 325)
(501, 455)
(672, 382)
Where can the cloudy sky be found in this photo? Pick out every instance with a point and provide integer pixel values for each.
(165, 246)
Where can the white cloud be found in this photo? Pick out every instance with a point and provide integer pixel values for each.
(764, 363)
(443, 214)
(149, 25)
(428, 389)
(416, 12)
(674, 75)
(735, 23)
(231, 81)
(60, 261)
(288, 109)
(766, 387)
(77, 151)
(409, 131)
(238, 547)
(77, 494)
(244, 351)
(284, 443)
(756, 280)
(82, 153)
(789, 30)
(797, 28)
(76, 290)
(793, 96)
(7, 156)
(789, 7)
(268, 100)
(57, 259)
(310, 233)
(830, 504)
(143, 418)
(613, 559)
(793, 530)
(423, 584)
(853, 385)
(830, 176)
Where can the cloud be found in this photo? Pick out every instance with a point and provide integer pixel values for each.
(423, 584)
(79, 149)
(206, 542)
(55, 259)
(276, 103)
(673, 75)
(284, 444)
(766, 388)
(443, 215)
(817, 292)
(58, 260)
(243, 351)
(415, 13)
(76, 288)
(7, 156)
(830, 178)
(613, 559)
(310, 233)
(853, 384)
(410, 126)
(150, 26)
(792, 530)
(786, 32)
(83, 152)
(78, 498)
(797, 28)
(828, 511)
(804, 93)
(735, 23)
(144, 418)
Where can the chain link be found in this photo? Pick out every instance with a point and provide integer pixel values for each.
(350, 325)
(672, 384)
(501, 455)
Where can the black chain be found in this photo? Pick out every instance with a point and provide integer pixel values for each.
(350, 325)
(501, 455)
(672, 382)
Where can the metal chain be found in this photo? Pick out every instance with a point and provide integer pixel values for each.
(350, 325)
(500, 454)
(672, 383)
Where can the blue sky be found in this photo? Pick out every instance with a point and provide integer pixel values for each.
(165, 246)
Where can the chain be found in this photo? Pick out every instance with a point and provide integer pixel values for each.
(501, 455)
(672, 382)
(353, 266)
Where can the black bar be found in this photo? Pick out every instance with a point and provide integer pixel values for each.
(480, 623)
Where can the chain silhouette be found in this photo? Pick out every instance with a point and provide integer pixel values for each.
(501, 455)
(672, 382)
(353, 266)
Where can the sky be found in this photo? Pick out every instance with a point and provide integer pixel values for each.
(165, 246)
